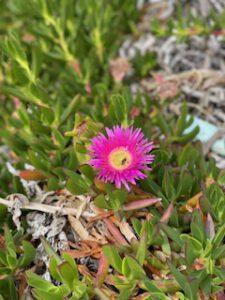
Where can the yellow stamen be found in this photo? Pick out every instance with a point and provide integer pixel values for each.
(120, 159)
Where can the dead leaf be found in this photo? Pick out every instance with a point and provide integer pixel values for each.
(199, 264)
(191, 203)
(31, 175)
(127, 231)
(84, 270)
(167, 90)
(100, 216)
(22, 284)
(85, 249)
(153, 270)
(119, 67)
(78, 228)
(99, 235)
(209, 226)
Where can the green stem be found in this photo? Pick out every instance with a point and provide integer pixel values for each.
(61, 38)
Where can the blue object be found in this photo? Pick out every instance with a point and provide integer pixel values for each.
(207, 130)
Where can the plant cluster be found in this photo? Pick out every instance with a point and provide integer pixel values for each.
(185, 24)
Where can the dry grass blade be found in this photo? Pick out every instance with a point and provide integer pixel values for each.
(78, 228)
(42, 207)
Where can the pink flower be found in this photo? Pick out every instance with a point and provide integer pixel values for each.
(121, 156)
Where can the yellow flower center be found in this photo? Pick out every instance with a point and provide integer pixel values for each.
(120, 158)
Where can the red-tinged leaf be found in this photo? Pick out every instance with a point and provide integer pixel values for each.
(167, 214)
(220, 296)
(75, 64)
(141, 203)
(102, 270)
(115, 232)
(113, 258)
